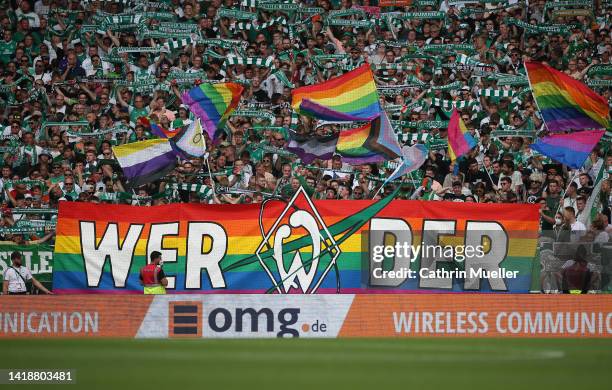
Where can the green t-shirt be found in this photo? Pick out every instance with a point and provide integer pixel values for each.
(19, 36)
(7, 50)
(38, 38)
(553, 205)
(286, 55)
(316, 50)
(136, 113)
(55, 180)
(257, 153)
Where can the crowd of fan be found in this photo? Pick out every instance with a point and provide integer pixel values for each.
(54, 69)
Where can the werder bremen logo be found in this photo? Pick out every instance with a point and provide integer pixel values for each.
(292, 264)
(306, 267)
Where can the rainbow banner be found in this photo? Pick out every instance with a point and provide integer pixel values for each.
(298, 247)
(213, 103)
(350, 97)
(460, 141)
(566, 103)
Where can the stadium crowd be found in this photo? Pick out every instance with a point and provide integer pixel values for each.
(79, 77)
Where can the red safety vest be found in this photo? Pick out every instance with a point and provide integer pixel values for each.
(149, 275)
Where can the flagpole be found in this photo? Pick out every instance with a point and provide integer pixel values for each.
(385, 182)
(488, 174)
(534, 98)
(212, 183)
(413, 183)
(379, 189)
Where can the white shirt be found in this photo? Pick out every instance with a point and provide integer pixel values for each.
(45, 77)
(89, 68)
(272, 85)
(242, 182)
(31, 16)
(139, 72)
(570, 202)
(15, 282)
(602, 238)
(517, 180)
(41, 9)
(577, 230)
(338, 175)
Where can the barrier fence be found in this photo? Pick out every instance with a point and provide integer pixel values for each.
(330, 316)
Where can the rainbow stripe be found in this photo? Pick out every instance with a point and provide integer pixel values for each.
(243, 273)
(352, 145)
(460, 141)
(350, 97)
(566, 103)
(373, 142)
(161, 132)
(213, 103)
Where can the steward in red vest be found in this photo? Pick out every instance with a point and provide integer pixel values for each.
(152, 276)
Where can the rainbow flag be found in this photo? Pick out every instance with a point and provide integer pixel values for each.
(145, 161)
(460, 141)
(566, 103)
(570, 149)
(350, 97)
(161, 132)
(372, 142)
(156, 130)
(213, 103)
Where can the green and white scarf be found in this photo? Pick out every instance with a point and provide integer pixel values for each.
(510, 80)
(599, 83)
(99, 132)
(489, 92)
(398, 67)
(448, 47)
(201, 189)
(257, 61)
(255, 114)
(541, 28)
(235, 14)
(249, 26)
(449, 104)
(422, 15)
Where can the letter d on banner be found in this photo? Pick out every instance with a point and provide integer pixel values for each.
(401, 231)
